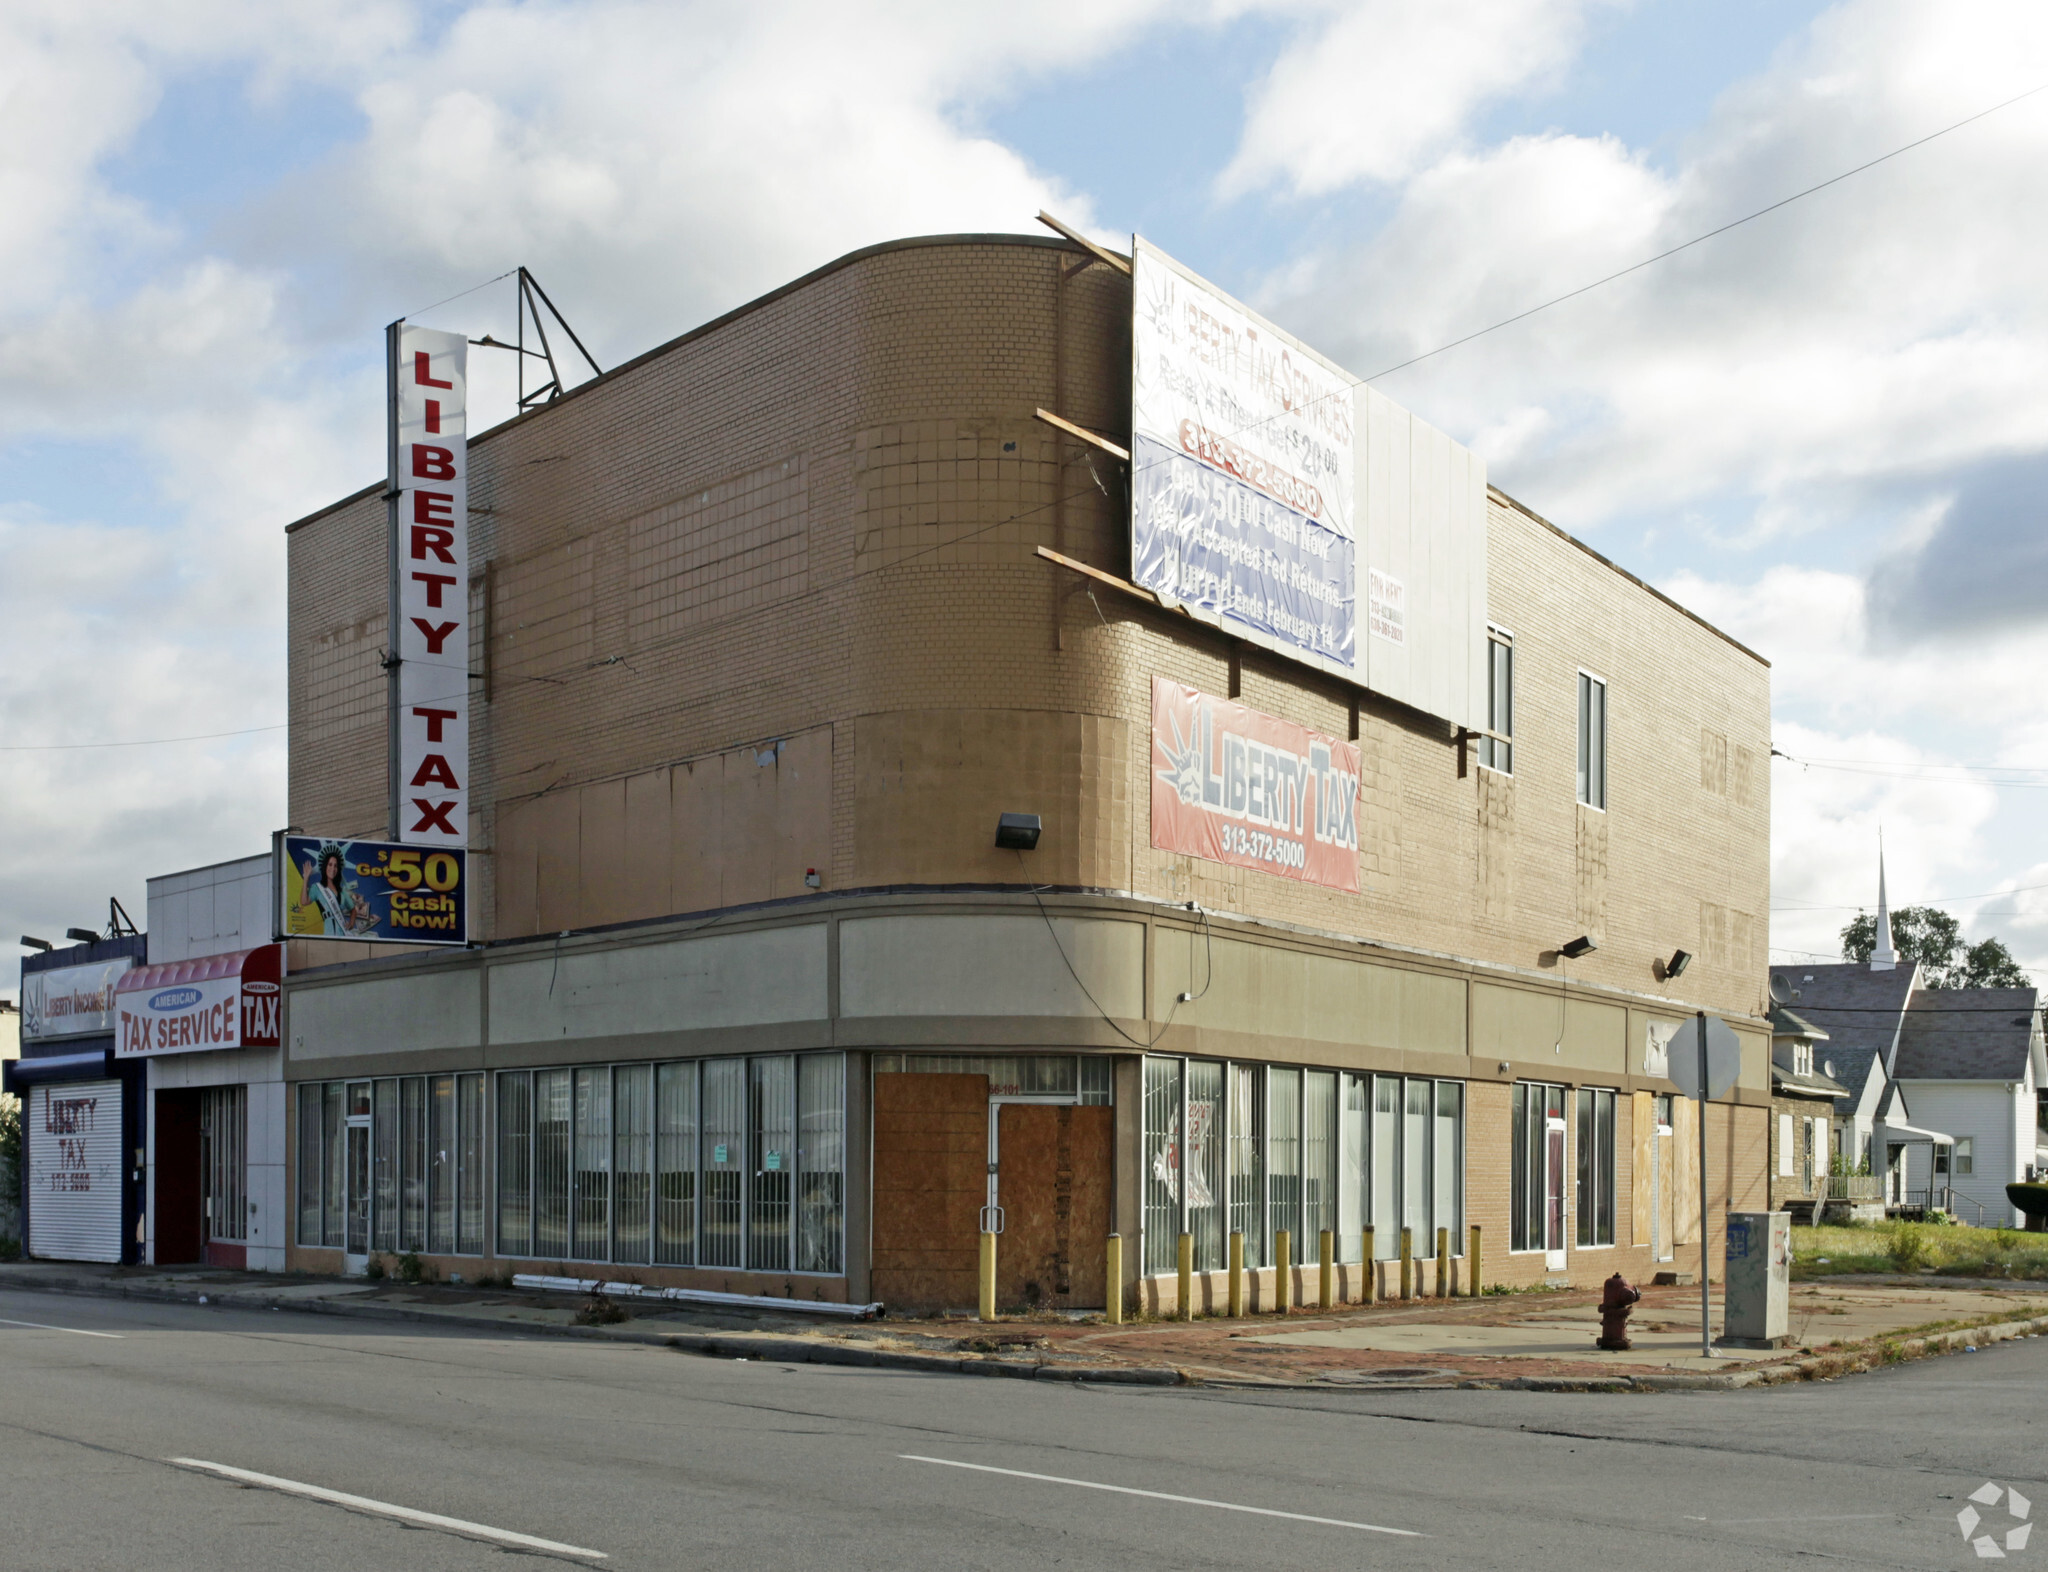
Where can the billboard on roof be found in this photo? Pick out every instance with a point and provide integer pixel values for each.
(1276, 496)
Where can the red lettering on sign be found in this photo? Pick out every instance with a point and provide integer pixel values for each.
(431, 463)
(433, 816)
(432, 542)
(433, 507)
(435, 583)
(435, 636)
(434, 770)
(423, 371)
(433, 718)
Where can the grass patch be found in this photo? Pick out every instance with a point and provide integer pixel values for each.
(1919, 1247)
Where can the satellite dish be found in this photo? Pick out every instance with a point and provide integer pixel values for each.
(1827, 1068)
(1782, 991)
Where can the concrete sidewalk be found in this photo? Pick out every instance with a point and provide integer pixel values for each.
(1538, 1340)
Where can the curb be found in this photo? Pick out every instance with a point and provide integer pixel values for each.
(782, 1350)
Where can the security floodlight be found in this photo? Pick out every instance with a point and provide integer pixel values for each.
(82, 935)
(1582, 945)
(30, 942)
(1675, 967)
(1017, 832)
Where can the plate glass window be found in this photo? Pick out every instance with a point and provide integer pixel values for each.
(1592, 741)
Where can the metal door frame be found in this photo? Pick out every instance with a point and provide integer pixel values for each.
(1556, 1205)
(352, 1262)
(991, 1221)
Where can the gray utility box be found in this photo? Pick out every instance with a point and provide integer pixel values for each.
(1759, 1279)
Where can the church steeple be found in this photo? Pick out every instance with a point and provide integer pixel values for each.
(1882, 958)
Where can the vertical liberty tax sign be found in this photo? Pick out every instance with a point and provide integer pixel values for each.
(429, 493)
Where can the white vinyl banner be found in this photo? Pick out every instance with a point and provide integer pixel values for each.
(430, 585)
(1241, 469)
(72, 1001)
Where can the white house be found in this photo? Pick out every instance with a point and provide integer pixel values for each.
(1971, 1061)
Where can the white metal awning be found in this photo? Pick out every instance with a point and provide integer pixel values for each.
(1901, 1134)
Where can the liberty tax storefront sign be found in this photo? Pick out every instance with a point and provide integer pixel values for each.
(74, 1171)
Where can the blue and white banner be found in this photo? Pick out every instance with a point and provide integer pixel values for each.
(1214, 543)
(1242, 468)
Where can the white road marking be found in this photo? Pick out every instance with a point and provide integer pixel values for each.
(1737, 1522)
(75, 1331)
(454, 1525)
(1160, 1495)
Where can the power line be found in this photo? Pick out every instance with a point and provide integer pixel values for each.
(1636, 267)
(138, 742)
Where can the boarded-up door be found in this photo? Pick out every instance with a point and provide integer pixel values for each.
(1684, 1142)
(1054, 1188)
(931, 1178)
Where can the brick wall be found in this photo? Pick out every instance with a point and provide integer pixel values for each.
(820, 514)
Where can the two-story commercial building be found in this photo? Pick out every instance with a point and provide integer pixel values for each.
(775, 623)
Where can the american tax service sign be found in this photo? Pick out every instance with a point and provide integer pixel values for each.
(1232, 785)
(218, 1001)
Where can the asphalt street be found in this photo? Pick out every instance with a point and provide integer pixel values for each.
(653, 1459)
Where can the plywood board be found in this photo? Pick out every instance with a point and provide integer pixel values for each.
(1642, 1167)
(558, 870)
(931, 1173)
(1054, 1187)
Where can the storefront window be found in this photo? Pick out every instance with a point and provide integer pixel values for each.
(1162, 1165)
(1593, 1130)
(420, 1164)
(715, 1162)
(1306, 1150)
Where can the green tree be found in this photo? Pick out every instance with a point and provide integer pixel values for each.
(10, 1155)
(1935, 939)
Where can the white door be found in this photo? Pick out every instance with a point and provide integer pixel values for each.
(1553, 1193)
(356, 1179)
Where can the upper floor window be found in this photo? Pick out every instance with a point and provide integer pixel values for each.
(1497, 752)
(1592, 741)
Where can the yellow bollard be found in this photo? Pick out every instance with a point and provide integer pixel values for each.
(1407, 1263)
(1236, 1273)
(1326, 1248)
(1473, 1270)
(1113, 1297)
(1372, 1269)
(1283, 1268)
(1443, 1263)
(988, 1277)
(1187, 1277)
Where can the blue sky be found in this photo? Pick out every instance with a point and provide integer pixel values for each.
(1821, 432)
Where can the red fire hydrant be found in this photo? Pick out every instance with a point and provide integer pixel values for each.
(1617, 1303)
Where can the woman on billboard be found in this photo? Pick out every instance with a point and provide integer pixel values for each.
(343, 911)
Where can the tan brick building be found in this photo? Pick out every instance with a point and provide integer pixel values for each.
(765, 642)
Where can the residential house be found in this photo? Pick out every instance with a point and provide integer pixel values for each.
(1803, 1099)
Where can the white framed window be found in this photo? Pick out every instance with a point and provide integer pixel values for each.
(1784, 1146)
(1592, 741)
(1966, 1156)
(1495, 752)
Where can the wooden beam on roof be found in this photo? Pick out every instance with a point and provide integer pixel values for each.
(1085, 435)
(1102, 253)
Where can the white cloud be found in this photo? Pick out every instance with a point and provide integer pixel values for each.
(1887, 328)
(1378, 88)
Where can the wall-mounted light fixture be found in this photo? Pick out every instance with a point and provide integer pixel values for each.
(1017, 832)
(1582, 945)
(82, 935)
(1675, 967)
(30, 942)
